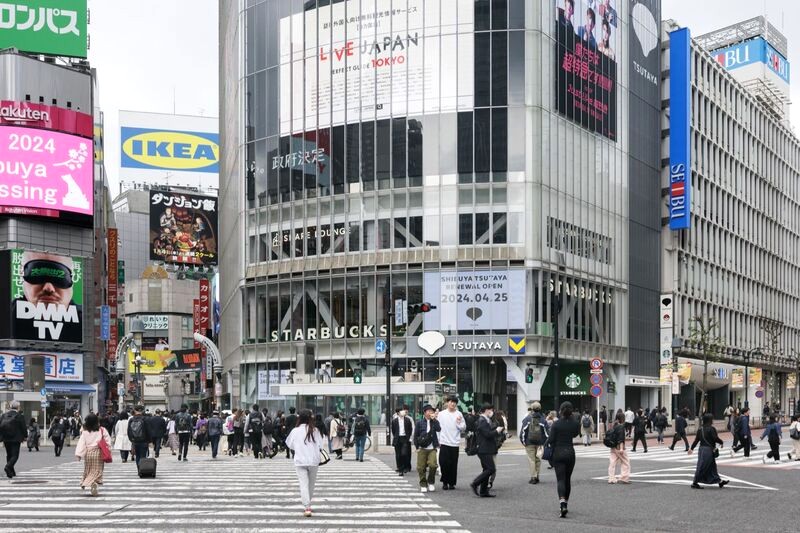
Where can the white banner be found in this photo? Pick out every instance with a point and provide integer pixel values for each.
(57, 366)
(263, 385)
(155, 321)
(365, 60)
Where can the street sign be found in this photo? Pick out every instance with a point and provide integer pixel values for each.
(380, 346)
(120, 389)
(759, 394)
(596, 371)
(596, 391)
(596, 363)
(43, 392)
(44, 403)
(596, 379)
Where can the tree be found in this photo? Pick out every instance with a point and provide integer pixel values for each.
(704, 338)
(773, 354)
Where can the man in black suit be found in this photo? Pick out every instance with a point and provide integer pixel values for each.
(156, 429)
(13, 432)
(291, 423)
(402, 429)
(486, 433)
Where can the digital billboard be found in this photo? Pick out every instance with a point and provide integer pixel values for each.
(587, 43)
(45, 173)
(54, 27)
(183, 228)
(377, 59)
(185, 361)
(46, 297)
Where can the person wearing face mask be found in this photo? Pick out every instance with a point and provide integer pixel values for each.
(486, 432)
(402, 430)
(453, 423)
(426, 440)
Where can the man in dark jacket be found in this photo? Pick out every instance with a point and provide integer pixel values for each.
(12, 432)
(402, 429)
(426, 440)
(640, 430)
(156, 429)
(486, 433)
(289, 424)
(680, 430)
(742, 429)
(138, 434)
(214, 432)
(184, 428)
(361, 430)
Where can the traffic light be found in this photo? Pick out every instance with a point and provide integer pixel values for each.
(423, 307)
(611, 387)
(357, 376)
(528, 375)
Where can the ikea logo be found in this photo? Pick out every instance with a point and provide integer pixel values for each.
(169, 150)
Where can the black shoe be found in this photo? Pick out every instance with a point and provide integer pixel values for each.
(401, 474)
(185, 459)
(723, 483)
(633, 449)
(645, 451)
(487, 495)
(10, 475)
(696, 486)
(532, 482)
(452, 487)
(536, 480)
(179, 457)
(445, 486)
(473, 487)
(563, 508)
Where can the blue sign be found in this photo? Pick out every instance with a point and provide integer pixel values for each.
(43, 392)
(753, 51)
(105, 322)
(680, 112)
(188, 151)
(380, 346)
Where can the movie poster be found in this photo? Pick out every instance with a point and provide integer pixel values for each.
(183, 228)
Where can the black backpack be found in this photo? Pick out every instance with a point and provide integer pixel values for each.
(360, 426)
(136, 429)
(269, 427)
(536, 432)
(184, 423)
(471, 444)
(471, 420)
(256, 422)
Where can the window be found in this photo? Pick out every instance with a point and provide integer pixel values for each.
(465, 228)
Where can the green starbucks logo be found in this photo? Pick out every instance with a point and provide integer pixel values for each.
(573, 381)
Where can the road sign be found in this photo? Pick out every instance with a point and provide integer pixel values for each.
(596, 371)
(380, 346)
(45, 404)
(596, 391)
(759, 394)
(596, 363)
(596, 379)
(43, 392)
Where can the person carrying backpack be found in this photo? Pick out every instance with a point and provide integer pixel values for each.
(57, 433)
(773, 435)
(615, 439)
(254, 429)
(533, 436)
(338, 433)
(138, 434)
(660, 423)
(639, 430)
(587, 428)
(183, 425)
(360, 431)
(13, 433)
(268, 431)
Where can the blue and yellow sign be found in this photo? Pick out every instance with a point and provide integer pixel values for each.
(516, 345)
(185, 151)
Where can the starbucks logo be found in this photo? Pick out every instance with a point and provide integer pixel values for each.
(573, 381)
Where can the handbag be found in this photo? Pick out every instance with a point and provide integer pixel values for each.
(703, 437)
(547, 454)
(324, 457)
(105, 453)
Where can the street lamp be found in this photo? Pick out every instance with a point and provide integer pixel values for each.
(747, 356)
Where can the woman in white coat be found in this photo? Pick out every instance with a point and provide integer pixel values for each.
(338, 431)
(306, 442)
(121, 441)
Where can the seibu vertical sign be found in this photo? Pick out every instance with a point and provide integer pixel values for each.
(680, 112)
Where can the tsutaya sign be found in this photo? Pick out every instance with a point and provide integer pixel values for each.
(325, 333)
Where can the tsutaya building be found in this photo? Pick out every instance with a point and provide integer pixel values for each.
(439, 167)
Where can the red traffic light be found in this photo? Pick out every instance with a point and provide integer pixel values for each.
(425, 307)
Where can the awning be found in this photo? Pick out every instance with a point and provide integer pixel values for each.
(74, 388)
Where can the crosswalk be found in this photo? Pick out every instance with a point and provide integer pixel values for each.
(664, 454)
(225, 494)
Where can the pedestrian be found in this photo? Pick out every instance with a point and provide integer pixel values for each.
(426, 441)
(74, 430)
(156, 429)
(13, 432)
(327, 422)
(227, 430)
(562, 432)
(201, 432)
(254, 431)
(640, 431)
(485, 432)
(706, 471)
(728, 414)
(604, 419)
(183, 425)
(269, 432)
(587, 428)
(121, 441)
(533, 435)
(402, 430)
(661, 424)
(34, 434)
(773, 434)
(305, 441)
(452, 424)
(361, 430)
(618, 454)
(648, 420)
(57, 433)
(172, 435)
(629, 416)
(338, 432)
(680, 429)
(88, 450)
(288, 425)
(743, 434)
(794, 435)
(138, 434)
(734, 422)
(214, 432)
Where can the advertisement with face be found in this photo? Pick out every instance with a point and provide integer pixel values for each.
(46, 297)
(183, 228)
(587, 43)
(45, 173)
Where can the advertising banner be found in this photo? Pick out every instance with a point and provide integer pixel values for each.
(46, 297)
(684, 372)
(482, 300)
(587, 42)
(53, 27)
(665, 376)
(169, 150)
(737, 378)
(376, 59)
(155, 361)
(45, 173)
(756, 376)
(753, 51)
(57, 366)
(263, 385)
(183, 228)
(155, 321)
(680, 107)
(34, 115)
(205, 305)
(113, 290)
(185, 361)
(105, 322)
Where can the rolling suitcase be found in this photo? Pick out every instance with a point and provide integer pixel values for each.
(147, 467)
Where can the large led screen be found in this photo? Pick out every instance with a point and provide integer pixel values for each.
(183, 228)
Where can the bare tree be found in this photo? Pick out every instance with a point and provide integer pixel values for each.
(704, 338)
(773, 354)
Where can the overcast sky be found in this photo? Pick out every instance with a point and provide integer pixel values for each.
(161, 55)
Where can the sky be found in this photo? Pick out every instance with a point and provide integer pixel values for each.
(162, 55)
(152, 55)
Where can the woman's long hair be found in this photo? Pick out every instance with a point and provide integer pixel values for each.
(307, 417)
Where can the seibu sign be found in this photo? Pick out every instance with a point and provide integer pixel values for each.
(13, 113)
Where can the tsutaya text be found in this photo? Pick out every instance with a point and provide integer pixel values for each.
(323, 333)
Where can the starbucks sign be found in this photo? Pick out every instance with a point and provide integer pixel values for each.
(573, 381)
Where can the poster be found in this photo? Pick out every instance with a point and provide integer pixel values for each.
(57, 366)
(475, 300)
(263, 385)
(183, 228)
(665, 375)
(155, 361)
(184, 361)
(756, 376)
(46, 297)
(587, 43)
(737, 378)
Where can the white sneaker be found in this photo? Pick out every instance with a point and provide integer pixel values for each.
(423, 489)
(431, 488)
(733, 453)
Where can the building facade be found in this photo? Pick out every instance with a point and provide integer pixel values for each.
(499, 160)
